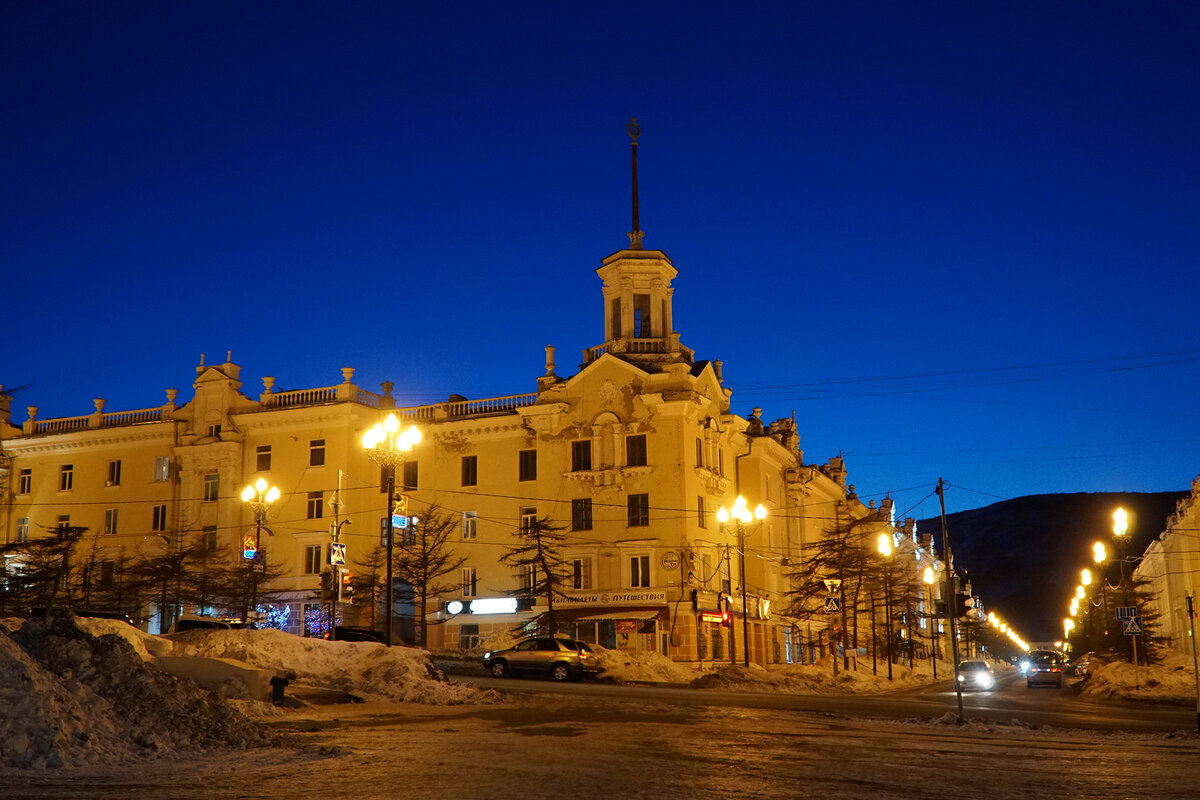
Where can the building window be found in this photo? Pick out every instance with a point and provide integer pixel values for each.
(316, 501)
(316, 453)
(470, 470)
(527, 465)
(312, 559)
(526, 578)
(23, 529)
(581, 455)
(25, 481)
(699, 452)
(615, 305)
(209, 534)
(114, 473)
(701, 514)
(581, 573)
(162, 468)
(64, 522)
(262, 461)
(639, 510)
(66, 477)
(641, 316)
(528, 518)
(469, 586)
(410, 475)
(470, 518)
(110, 520)
(639, 572)
(720, 462)
(635, 450)
(158, 521)
(581, 514)
(212, 486)
(215, 431)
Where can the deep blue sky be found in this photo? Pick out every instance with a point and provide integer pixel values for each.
(994, 206)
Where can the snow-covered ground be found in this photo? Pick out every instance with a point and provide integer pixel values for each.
(88, 692)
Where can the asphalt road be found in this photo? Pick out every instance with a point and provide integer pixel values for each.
(1010, 701)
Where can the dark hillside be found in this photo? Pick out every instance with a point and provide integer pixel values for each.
(1023, 556)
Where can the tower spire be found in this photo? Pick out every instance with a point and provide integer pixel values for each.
(635, 236)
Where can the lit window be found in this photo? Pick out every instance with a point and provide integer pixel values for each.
(23, 529)
(25, 481)
(528, 518)
(469, 520)
(162, 468)
(110, 520)
(468, 582)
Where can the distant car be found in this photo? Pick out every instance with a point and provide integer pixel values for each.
(561, 659)
(1045, 667)
(976, 674)
(352, 633)
(1082, 666)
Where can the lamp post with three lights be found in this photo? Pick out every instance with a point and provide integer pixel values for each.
(260, 498)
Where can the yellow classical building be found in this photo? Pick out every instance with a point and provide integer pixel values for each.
(633, 455)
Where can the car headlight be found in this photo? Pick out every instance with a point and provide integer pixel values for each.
(487, 655)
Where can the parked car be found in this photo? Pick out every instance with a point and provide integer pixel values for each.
(561, 659)
(352, 633)
(976, 674)
(1082, 666)
(207, 623)
(1045, 667)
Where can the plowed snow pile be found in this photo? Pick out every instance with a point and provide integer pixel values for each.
(400, 674)
(69, 698)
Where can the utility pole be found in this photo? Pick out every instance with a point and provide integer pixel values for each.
(951, 605)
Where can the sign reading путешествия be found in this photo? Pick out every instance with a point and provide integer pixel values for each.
(621, 598)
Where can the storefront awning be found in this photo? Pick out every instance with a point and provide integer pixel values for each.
(617, 615)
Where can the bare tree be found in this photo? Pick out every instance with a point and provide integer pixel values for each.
(538, 556)
(425, 560)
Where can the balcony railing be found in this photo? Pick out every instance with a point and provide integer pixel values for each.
(636, 347)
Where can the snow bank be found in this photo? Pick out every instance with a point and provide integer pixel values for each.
(400, 674)
(1172, 682)
(814, 679)
(71, 698)
(642, 666)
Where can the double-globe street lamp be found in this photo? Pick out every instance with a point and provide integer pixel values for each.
(388, 447)
(740, 514)
(259, 497)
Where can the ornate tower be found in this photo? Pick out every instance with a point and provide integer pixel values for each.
(637, 298)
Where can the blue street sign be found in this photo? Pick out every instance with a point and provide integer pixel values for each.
(1126, 612)
(337, 554)
(399, 521)
(1133, 626)
(833, 605)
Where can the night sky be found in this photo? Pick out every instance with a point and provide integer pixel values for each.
(953, 239)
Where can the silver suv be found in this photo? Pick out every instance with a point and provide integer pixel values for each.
(561, 659)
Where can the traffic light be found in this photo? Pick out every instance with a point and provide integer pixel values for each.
(726, 614)
(347, 587)
(326, 586)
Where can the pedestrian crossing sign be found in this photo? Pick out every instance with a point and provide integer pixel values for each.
(833, 605)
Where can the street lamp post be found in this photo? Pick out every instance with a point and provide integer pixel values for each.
(885, 550)
(930, 579)
(387, 447)
(259, 497)
(1099, 555)
(1121, 535)
(740, 513)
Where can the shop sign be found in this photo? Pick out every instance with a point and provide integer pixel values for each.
(627, 597)
(626, 626)
(711, 616)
